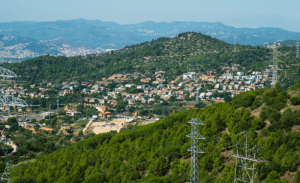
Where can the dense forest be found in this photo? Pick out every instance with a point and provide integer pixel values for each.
(158, 152)
(186, 52)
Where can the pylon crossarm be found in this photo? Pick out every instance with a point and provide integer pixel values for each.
(196, 151)
(242, 180)
(7, 73)
(192, 135)
(247, 158)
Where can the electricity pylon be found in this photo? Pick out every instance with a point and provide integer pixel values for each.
(195, 150)
(275, 65)
(57, 110)
(5, 72)
(297, 48)
(10, 100)
(197, 97)
(234, 44)
(246, 163)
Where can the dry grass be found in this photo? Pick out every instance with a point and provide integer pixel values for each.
(289, 105)
(289, 176)
(296, 129)
(256, 112)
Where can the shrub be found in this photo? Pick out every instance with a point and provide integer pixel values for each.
(295, 100)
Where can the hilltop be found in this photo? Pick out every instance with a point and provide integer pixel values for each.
(198, 51)
(158, 152)
(186, 52)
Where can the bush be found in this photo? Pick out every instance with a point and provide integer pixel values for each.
(266, 111)
(257, 124)
(257, 103)
(272, 176)
(295, 100)
(295, 87)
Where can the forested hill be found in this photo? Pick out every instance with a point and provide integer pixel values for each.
(158, 152)
(186, 52)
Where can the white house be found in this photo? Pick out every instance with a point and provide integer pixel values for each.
(129, 85)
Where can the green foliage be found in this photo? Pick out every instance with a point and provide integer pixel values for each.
(272, 177)
(133, 90)
(159, 150)
(295, 87)
(295, 100)
(190, 49)
(97, 178)
(245, 99)
(257, 124)
(11, 120)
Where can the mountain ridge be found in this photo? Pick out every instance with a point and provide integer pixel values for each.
(111, 35)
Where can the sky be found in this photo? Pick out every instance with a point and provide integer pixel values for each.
(238, 13)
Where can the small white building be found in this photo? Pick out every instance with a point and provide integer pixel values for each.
(129, 85)
(240, 73)
(73, 113)
(189, 75)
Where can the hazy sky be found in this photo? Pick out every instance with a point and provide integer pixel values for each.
(238, 13)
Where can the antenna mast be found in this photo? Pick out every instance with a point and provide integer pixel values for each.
(195, 150)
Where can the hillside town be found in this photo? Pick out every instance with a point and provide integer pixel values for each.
(205, 87)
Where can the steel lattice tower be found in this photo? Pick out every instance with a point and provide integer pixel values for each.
(5, 177)
(275, 65)
(234, 44)
(297, 48)
(197, 97)
(195, 150)
(57, 110)
(246, 163)
(50, 112)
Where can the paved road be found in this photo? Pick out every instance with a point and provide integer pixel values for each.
(87, 125)
(14, 146)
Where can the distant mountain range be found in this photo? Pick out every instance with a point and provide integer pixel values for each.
(110, 35)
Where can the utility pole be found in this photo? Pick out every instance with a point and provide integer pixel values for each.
(5, 177)
(246, 163)
(195, 150)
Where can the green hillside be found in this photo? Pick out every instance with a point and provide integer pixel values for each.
(187, 51)
(157, 152)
